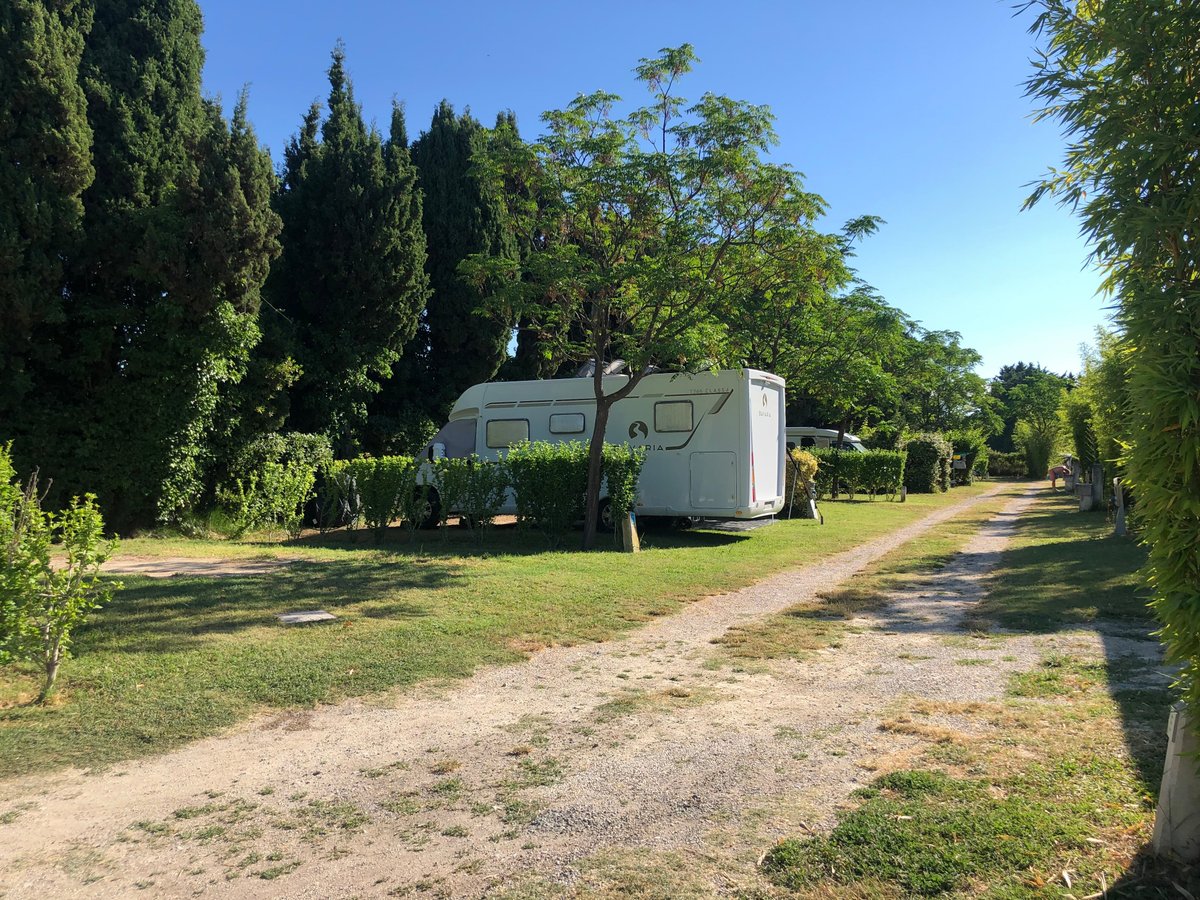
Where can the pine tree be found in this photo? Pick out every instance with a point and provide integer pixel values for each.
(351, 281)
(45, 166)
(163, 287)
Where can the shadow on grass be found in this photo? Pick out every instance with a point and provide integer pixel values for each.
(169, 614)
(500, 540)
(1067, 571)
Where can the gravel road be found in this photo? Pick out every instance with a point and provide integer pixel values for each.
(526, 780)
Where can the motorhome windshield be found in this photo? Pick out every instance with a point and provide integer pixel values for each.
(457, 439)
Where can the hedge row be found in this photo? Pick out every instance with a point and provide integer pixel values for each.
(873, 472)
(548, 482)
(1007, 464)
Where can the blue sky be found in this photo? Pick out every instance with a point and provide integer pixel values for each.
(913, 112)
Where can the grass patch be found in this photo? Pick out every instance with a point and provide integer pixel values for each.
(176, 659)
(798, 632)
(1065, 568)
(1053, 791)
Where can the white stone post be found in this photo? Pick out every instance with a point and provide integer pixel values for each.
(1177, 822)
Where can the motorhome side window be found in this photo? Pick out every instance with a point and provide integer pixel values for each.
(566, 423)
(503, 433)
(673, 415)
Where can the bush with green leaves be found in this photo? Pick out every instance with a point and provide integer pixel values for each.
(487, 490)
(873, 472)
(452, 480)
(882, 471)
(1007, 465)
(337, 498)
(549, 481)
(1077, 413)
(841, 465)
(622, 469)
(802, 467)
(927, 469)
(1038, 446)
(42, 603)
(473, 487)
(380, 488)
(272, 480)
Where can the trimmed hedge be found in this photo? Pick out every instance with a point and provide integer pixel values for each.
(622, 469)
(474, 488)
(928, 468)
(549, 481)
(1007, 465)
(873, 472)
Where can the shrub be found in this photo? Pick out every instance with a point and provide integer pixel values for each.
(272, 480)
(873, 472)
(1006, 464)
(802, 468)
(41, 604)
(845, 466)
(622, 469)
(452, 478)
(882, 471)
(1038, 447)
(473, 487)
(487, 489)
(549, 481)
(380, 487)
(927, 469)
(337, 498)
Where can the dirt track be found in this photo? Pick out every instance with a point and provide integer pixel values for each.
(531, 779)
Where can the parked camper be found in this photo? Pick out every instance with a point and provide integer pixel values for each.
(806, 437)
(714, 442)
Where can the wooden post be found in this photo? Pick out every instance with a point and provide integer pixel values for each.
(1177, 821)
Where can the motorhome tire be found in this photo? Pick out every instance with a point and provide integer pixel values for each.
(433, 510)
(604, 517)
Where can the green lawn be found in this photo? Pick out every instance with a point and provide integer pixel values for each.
(175, 659)
(1051, 792)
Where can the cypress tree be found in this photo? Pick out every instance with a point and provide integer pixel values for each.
(351, 281)
(460, 341)
(45, 166)
(462, 216)
(162, 290)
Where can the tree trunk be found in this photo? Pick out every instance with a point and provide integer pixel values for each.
(53, 658)
(595, 474)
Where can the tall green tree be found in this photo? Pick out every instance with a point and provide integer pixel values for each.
(163, 285)
(351, 281)
(45, 166)
(1121, 78)
(463, 214)
(1004, 390)
(644, 227)
(459, 340)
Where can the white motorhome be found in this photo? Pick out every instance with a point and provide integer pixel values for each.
(714, 441)
(807, 437)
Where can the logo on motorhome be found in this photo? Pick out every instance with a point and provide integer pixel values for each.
(764, 400)
(639, 426)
